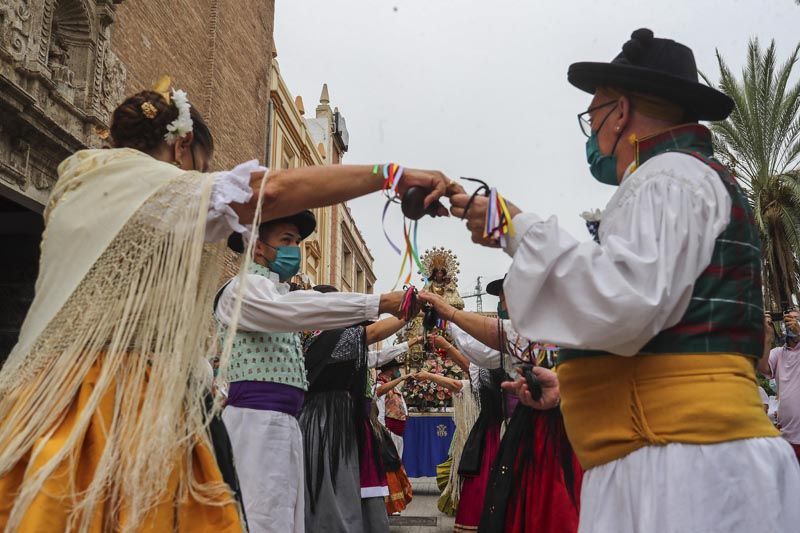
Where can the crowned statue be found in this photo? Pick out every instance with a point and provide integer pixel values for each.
(440, 276)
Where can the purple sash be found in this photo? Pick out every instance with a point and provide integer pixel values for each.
(266, 396)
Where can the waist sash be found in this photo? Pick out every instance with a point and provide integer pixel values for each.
(614, 405)
(266, 396)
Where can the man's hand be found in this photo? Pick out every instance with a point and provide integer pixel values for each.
(769, 330)
(476, 216)
(791, 323)
(551, 395)
(434, 182)
(440, 305)
(391, 302)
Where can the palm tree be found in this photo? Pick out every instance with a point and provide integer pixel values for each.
(760, 142)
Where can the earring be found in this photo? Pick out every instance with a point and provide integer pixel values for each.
(617, 128)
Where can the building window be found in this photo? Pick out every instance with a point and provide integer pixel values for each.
(347, 268)
(312, 266)
(361, 280)
(287, 159)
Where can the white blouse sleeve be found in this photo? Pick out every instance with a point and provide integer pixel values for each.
(474, 350)
(376, 358)
(232, 186)
(265, 307)
(657, 235)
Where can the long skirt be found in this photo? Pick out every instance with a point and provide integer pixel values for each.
(51, 509)
(400, 491)
(473, 488)
(536, 479)
(268, 453)
(332, 481)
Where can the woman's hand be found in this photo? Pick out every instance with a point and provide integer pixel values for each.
(433, 182)
(439, 342)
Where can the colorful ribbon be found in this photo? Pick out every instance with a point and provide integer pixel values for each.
(409, 306)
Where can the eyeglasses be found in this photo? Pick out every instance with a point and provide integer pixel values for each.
(585, 118)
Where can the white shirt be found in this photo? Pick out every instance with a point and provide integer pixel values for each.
(267, 305)
(376, 358)
(657, 236)
(478, 353)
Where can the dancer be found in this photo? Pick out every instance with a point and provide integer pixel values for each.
(345, 482)
(670, 301)
(535, 480)
(114, 337)
(267, 373)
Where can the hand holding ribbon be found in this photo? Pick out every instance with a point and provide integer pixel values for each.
(488, 215)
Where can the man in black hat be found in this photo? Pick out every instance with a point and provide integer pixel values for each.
(672, 433)
(267, 374)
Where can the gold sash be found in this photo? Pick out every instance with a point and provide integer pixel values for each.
(614, 405)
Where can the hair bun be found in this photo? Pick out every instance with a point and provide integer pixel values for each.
(635, 49)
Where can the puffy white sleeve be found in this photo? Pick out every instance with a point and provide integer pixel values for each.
(657, 236)
(376, 358)
(232, 186)
(267, 308)
(474, 350)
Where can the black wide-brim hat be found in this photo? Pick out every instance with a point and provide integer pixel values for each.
(656, 67)
(305, 221)
(495, 287)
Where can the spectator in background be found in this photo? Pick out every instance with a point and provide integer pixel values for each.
(783, 365)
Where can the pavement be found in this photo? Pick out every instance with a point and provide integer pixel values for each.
(422, 515)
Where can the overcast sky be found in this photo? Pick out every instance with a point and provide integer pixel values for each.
(482, 91)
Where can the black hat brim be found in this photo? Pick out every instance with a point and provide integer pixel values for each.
(495, 287)
(699, 100)
(305, 221)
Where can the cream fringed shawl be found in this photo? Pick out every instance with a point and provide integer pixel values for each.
(125, 278)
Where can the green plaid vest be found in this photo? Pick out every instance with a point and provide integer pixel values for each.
(725, 314)
(266, 356)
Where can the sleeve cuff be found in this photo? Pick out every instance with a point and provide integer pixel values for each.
(232, 186)
(522, 223)
(373, 304)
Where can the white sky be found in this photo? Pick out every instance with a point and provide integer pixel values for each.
(482, 91)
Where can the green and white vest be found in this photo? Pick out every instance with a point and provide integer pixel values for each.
(266, 356)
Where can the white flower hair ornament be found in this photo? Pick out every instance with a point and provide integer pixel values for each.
(178, 128)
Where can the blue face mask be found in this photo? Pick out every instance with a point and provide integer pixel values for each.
(287, 261)
(603, 167)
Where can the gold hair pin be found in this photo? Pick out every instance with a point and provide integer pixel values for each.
(149, 110)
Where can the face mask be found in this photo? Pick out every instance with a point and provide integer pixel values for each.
(603, 167)
(502, 313)
(287, 261)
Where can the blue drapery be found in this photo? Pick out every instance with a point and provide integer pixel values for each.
(426, 442)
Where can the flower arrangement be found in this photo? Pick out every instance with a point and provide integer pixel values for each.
(426, 395)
